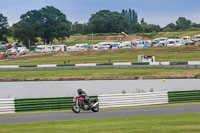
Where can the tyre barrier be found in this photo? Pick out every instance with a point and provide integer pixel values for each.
(180, 96)
(105, 101)
(7, 106)
(122, 100)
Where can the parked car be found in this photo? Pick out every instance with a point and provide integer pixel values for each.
(187, 40)
(72, 49)
(196, 38)
(2, 54)
(22, 50)
(94, 47)
(115, 46)
(44, 48)
(56, 48)
(2, 47)
(83, 47)
(157, 40)
(161, 44)
(174, 43)
(105, 45)
(11, 52)
(127, 47)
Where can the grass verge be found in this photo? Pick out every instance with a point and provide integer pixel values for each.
(187, 123)
(100, 74)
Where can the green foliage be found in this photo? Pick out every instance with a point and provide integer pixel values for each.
(27, 29)
(47, 23)
(53, 24)
(169, 27)
(152, 90)
(123, 91)
(4, 31)
(147, 28)
(182, 23)
(50, 25)
(137, 90)
(106, 21)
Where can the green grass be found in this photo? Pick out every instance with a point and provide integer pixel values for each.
(87, 74)
(154, 35)
(187, 123)
(162, 54)
(96, 38)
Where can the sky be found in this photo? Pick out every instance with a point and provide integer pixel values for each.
(160, 12)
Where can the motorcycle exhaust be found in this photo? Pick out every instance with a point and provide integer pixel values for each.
(95, 104)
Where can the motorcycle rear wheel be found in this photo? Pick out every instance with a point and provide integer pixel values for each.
(74, 109)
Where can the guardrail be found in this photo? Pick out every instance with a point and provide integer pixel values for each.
(132, 99)
(189, 63)
(7, 106)
(40, 104)
(180, 96)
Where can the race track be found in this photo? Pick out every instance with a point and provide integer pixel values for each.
(114, 113)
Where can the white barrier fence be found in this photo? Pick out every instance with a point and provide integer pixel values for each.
(46, 66)
(165, 63)
(10, 66)
(132, 99)
(122, 64)
(7, 106)
(85, 65)
(154, 63)
(193, 62)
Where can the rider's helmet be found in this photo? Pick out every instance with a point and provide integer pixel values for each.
(79, 91)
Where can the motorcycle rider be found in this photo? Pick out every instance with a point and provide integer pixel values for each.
(82, 93)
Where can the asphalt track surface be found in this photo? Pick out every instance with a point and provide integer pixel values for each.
(114, 113)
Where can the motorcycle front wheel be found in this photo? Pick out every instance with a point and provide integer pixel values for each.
(75, 109)
(96, 108)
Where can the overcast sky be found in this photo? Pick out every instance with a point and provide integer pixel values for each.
(159, 12)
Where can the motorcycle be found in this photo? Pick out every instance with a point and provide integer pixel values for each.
(79, 103)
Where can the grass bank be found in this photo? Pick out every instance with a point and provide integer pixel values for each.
(152, 124)
(96, 38)
(113, 37)
(162, 54)
(101, 74)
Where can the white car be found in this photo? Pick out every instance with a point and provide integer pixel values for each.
(174, 43)
(196, 38)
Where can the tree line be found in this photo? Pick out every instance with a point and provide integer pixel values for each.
(49, 23)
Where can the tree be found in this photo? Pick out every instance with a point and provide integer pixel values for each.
(149, 27)
(28, 28)
(182, 23)
(132, 19)
(4, 31)
(131, 16)
(169, 27)
(77, 28)
(105, 21)
(47, 23)
(53, 25)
